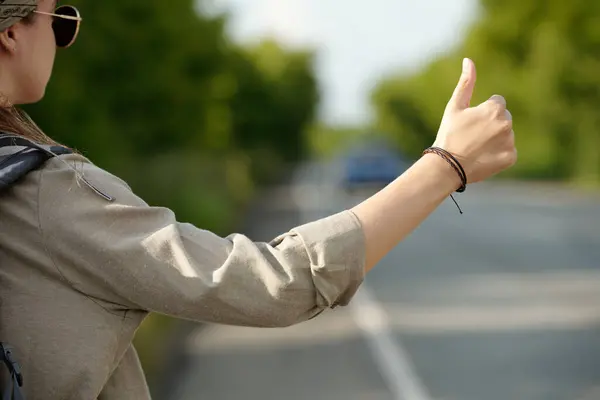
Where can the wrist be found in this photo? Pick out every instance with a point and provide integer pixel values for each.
(442, 172)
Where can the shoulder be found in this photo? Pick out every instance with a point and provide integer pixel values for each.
(74, 177)
(84, 210)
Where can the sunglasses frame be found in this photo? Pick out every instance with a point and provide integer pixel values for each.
(69, 17)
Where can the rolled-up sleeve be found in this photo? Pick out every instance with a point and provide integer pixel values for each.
(133, 255)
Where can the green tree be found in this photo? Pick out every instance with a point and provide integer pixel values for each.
(274, 105)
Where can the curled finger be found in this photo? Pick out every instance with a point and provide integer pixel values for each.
(498, 99)
(511, 140)
(495, 106)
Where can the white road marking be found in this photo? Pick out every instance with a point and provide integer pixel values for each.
(394, 363)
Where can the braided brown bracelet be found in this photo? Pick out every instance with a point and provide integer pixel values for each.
(455, 164)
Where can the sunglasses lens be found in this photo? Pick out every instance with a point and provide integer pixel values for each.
(65, 30)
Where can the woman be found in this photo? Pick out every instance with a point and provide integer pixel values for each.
(82, 268)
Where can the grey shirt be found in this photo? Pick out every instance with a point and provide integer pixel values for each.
(80, 273)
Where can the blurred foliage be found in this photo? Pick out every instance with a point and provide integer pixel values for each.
(544, 58)
(327, 141)
(157, 94)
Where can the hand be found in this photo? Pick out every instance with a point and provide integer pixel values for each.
(481, 137)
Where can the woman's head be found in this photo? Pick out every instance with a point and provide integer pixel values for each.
(27, 51)
(30, 33)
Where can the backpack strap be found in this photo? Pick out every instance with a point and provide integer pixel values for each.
(12, 391)
(18, 157)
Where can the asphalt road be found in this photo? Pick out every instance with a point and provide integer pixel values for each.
(502, 302)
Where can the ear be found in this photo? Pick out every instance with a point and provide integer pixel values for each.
(8, 41)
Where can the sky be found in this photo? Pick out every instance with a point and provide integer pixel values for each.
(357, 42)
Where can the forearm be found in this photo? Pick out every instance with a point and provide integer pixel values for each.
(393, 213)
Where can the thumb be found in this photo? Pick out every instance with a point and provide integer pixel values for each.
(461, 98)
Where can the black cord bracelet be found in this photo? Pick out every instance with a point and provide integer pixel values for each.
(455, 164)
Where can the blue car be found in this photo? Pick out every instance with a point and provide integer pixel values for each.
(371, 168)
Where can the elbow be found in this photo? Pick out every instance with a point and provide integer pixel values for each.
(288, 317)
(279, 307)
(291, 306)
(298, 315)
(282, 305)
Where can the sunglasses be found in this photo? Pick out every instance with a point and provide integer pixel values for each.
(65, 25)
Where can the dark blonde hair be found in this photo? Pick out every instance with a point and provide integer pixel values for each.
(16, 121)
